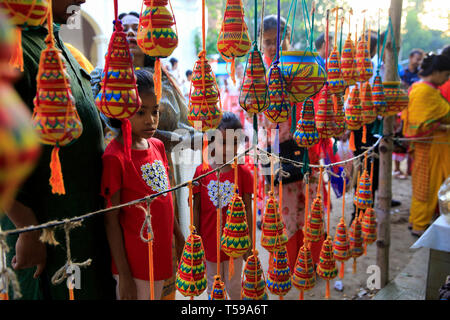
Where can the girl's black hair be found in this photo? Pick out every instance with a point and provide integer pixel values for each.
(229, 121)
(270, 23)
(432, 63)
(446, 51)
(131, 13)
(144, 82)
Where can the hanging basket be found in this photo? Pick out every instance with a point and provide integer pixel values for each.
(279, 276)
(303, 75)
(204, 97)
(235, 240)
(253, 94)
(348, 62)
(396, 98)
(278, 109)
(325, 114)
(155, 35)
(306, 134)
(378, 97)
(253, 285)
(118, 97)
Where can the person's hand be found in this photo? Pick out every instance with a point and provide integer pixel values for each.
(30, 252)
(127, 288)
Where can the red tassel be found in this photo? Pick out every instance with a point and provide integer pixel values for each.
(327, 290)
(233, 70)
(342, 271)
(205, 153)
(351, 143)
(56, 177)
(364, 135)
(230, 268)
(17, 54)
(4, 296)
(301, 297)
(126, 134)
(157, 80)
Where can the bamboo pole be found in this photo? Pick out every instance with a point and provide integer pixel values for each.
(384, 196)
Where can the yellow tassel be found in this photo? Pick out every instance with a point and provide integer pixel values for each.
(351, 143)
(354, 265)
(4, 296)
(157, 80)
(56, 177)
(17, 55)
(230, 268)
(364, 136)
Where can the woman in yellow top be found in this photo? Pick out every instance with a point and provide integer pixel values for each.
(428, 116)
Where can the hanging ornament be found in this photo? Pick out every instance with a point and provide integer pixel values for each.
(363, 197)
(325, 114)
(356, 240)
(314, 223)
(378, 97)
(218, 289)
(368, 111)
(273, 232)
(253, 94)
(19, 144)
(118, 97)
(306, 134)
(233, 41)
(369, 227)
(278, 106)
(396, 98)
(204, 97)
(55, 116)
(254, 285)
(23, 14)
(191, 274)
(353, 115)
(326, 269)
(339, 115)
(235, 239)
(304, 277)
(204, 93)
(336, 82)
(155, 35)
(348, 65)
(279, 276)
(302, 73)
(363, 61)
(341, 244)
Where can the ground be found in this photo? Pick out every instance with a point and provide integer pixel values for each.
(355, 285)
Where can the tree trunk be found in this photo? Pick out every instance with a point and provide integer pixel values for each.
(386, 146)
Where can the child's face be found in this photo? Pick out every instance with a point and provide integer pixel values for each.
(145, 121)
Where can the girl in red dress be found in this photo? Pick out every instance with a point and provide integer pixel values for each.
(123, 181)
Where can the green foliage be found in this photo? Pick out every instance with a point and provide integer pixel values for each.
(416, 35)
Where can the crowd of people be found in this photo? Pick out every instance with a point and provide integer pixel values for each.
(98, 173)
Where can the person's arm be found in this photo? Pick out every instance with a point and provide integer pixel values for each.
(127, 286)
(30, 251)
(179, 238)
(247, 199)
(196, 205)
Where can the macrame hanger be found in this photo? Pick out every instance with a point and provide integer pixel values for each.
(61, 274)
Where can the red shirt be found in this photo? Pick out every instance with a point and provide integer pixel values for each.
(208, 204)
(445, 90)
(146, 174)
